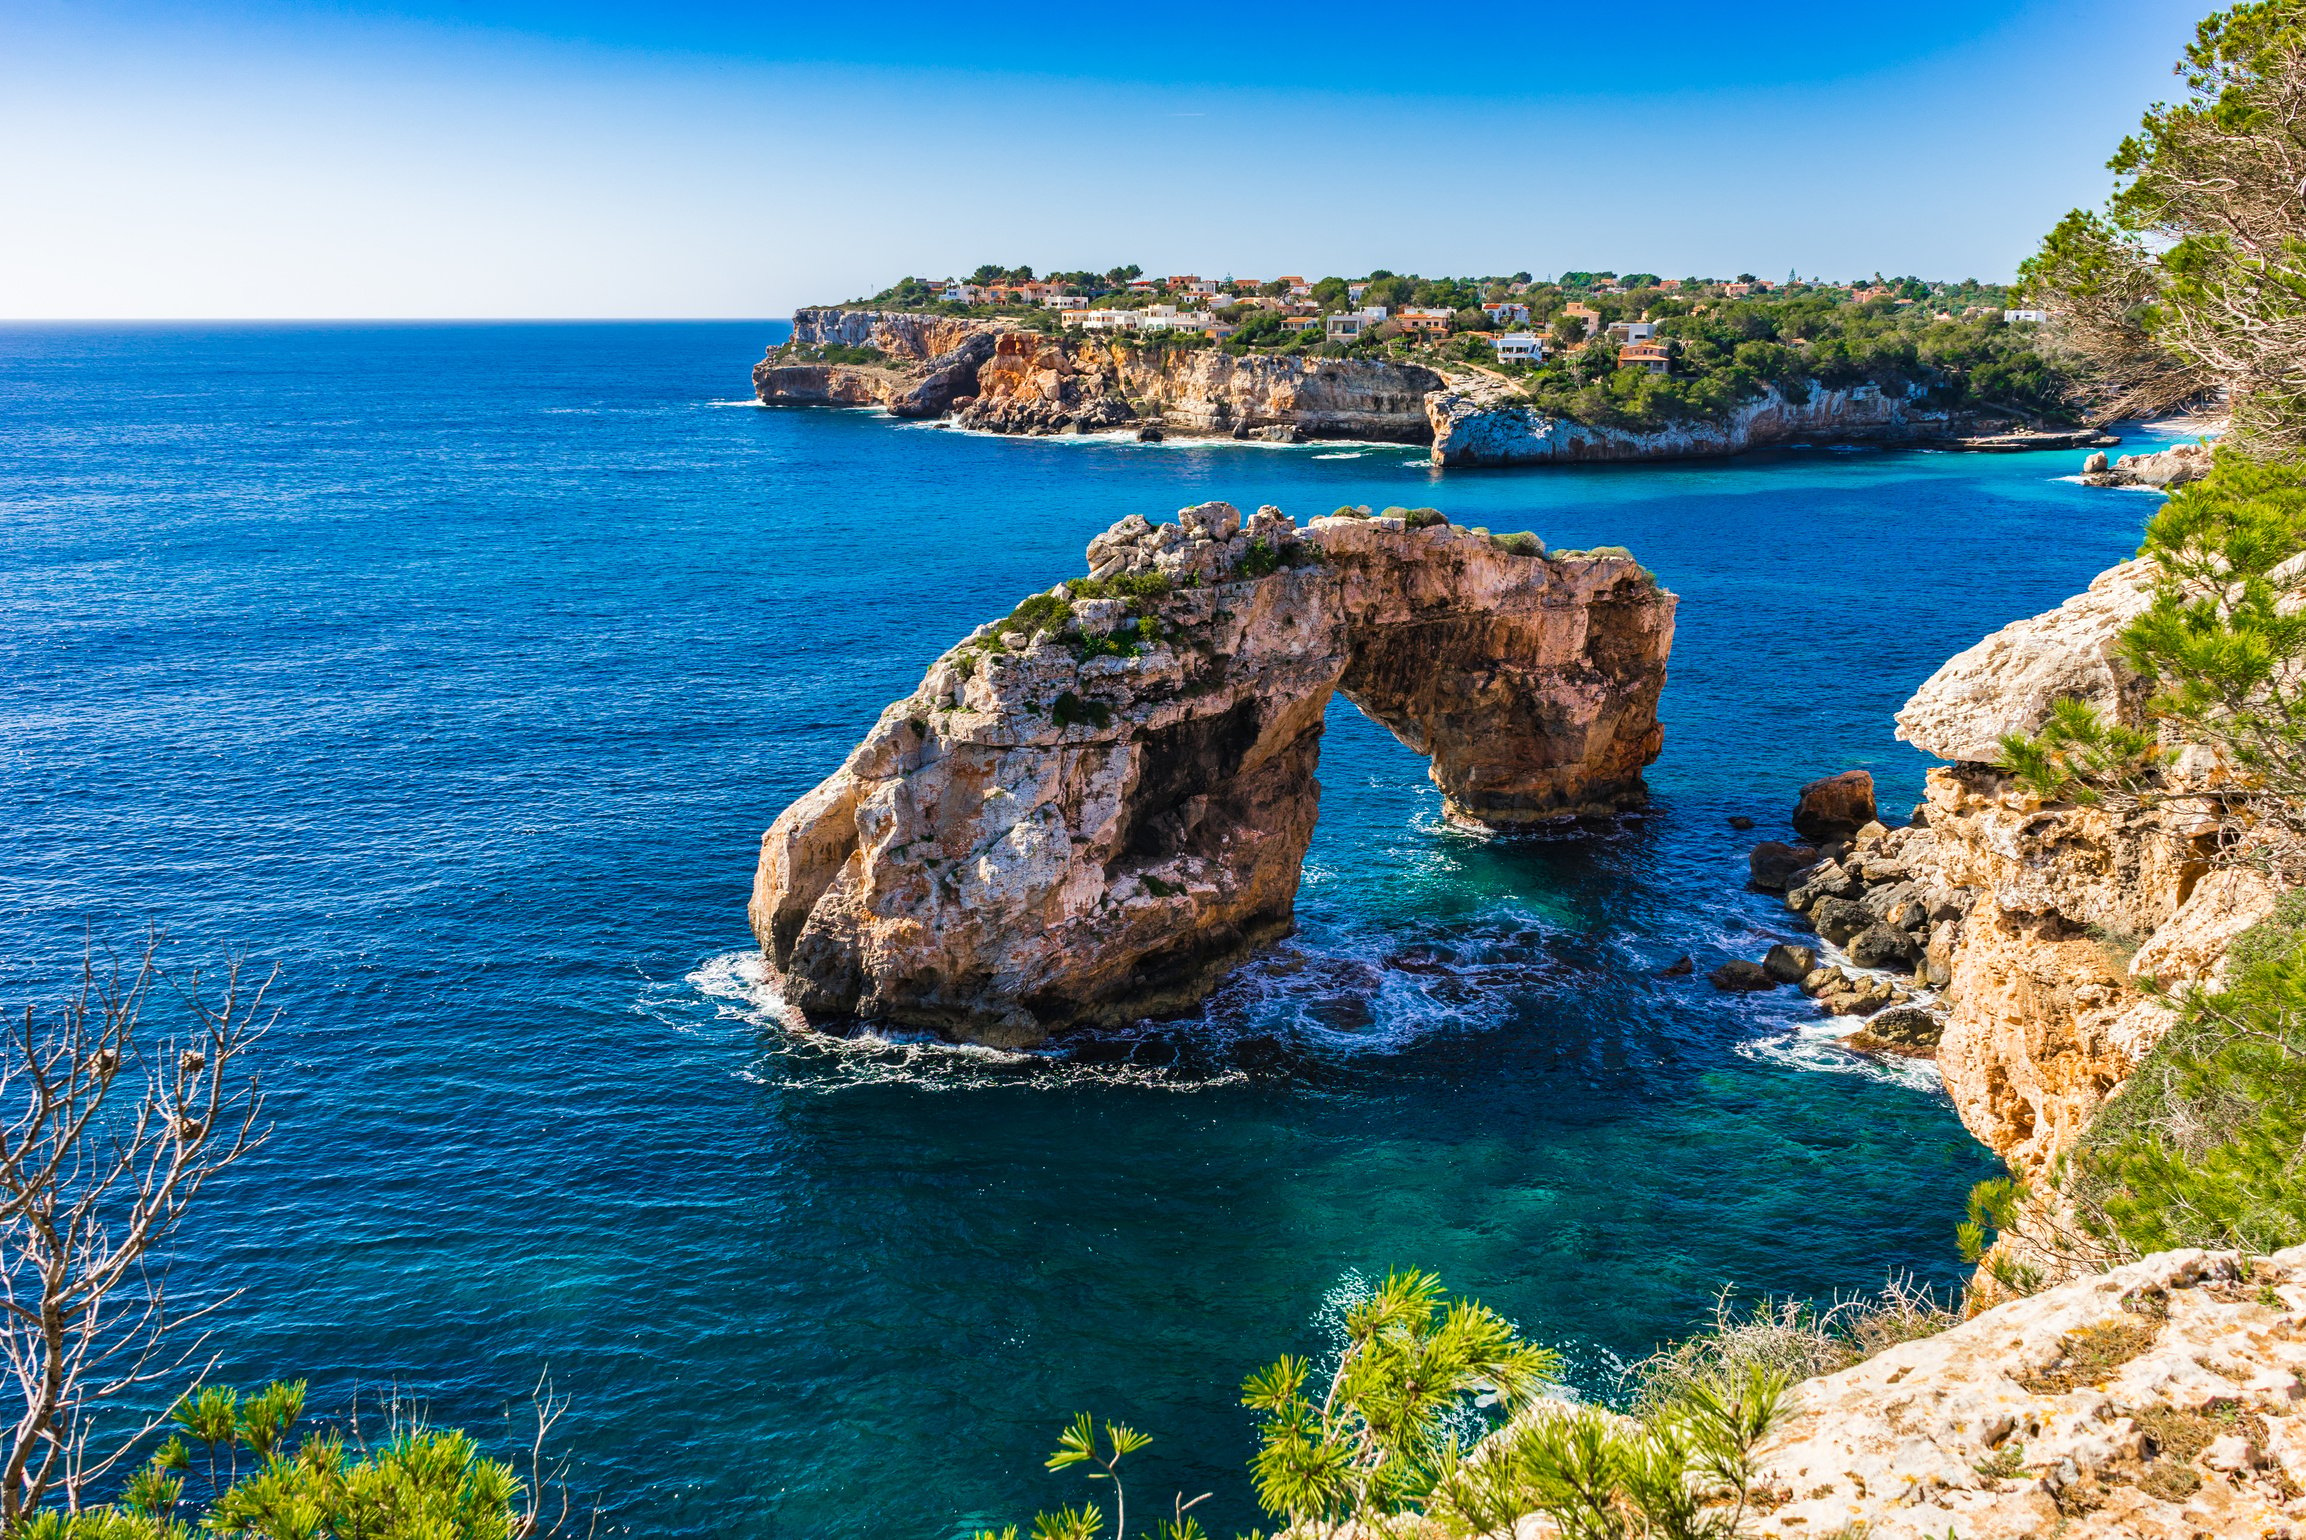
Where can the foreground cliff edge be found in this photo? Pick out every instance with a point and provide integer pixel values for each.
(1087, 812)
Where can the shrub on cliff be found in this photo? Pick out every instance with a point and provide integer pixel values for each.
(2224, 645)
(2200, 1147)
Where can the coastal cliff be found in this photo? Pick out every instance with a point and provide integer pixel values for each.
(1037, 384)
(997, 376)
(1089, 811)
(2064, 914)
(1483, 424)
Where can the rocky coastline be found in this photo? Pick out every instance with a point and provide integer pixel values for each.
(998, 377)
(1087, 812)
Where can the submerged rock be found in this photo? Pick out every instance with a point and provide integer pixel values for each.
(1081, 818)
(1910, 1031)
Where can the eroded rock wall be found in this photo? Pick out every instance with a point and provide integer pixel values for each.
(2065, 909)
(1486, 425)
(1038, 384)
(1090, 818)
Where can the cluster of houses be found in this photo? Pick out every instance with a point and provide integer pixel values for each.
(1514, 342)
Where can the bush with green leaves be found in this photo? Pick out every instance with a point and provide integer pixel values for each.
(232, 1468)
(1395, 1415)
(1434, 1419)
(2079, 756)
(2201, 1145)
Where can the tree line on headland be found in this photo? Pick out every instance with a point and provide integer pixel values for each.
(1719, 343)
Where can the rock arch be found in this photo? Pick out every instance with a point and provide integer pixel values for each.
(1088, 812)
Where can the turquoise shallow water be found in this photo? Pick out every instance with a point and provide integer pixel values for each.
(458, 669)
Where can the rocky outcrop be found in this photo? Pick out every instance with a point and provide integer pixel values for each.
(2165, 469)
(929, 362)
(2063, 909)
(1087, 812)
(1488, 425)
(2047, 1018)
(2160, 1401)
(2008, 682)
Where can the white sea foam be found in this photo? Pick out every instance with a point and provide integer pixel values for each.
(1816, 1046)
(746, 401)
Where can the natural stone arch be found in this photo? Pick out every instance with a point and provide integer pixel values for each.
(1085, 815)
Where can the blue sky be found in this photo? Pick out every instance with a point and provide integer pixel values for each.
(520, 158)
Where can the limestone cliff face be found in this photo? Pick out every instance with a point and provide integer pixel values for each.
(1484, 425)
(1088, 814)
(2057, 911)
(932, 361)
(1038, 384)
(2160, 1401)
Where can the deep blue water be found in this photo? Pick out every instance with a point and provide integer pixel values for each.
(458, 669)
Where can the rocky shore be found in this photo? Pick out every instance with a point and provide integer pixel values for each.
(1088, 811)
(2162, 470)
(999, 377)
(2159, 1401)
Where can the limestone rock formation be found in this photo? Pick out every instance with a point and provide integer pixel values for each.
(1086, 812)
(1038, 384)
(1483, 423)
(2046, 1015)
(930, 361)
(2008, 682)
(2160, 1401)
(2165, 469)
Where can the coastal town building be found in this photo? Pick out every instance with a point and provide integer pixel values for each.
(1644, 355)
(1353, 324)
(1632, 331)
(2035, 316)
(1521, 348)
(1507, 313)
(1424, 321)
(1586, 313)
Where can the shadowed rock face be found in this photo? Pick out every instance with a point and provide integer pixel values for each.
(1088, 817)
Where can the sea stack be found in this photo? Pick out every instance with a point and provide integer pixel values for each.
(1088, 811)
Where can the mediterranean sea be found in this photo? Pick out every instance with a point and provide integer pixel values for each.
(457, 669)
